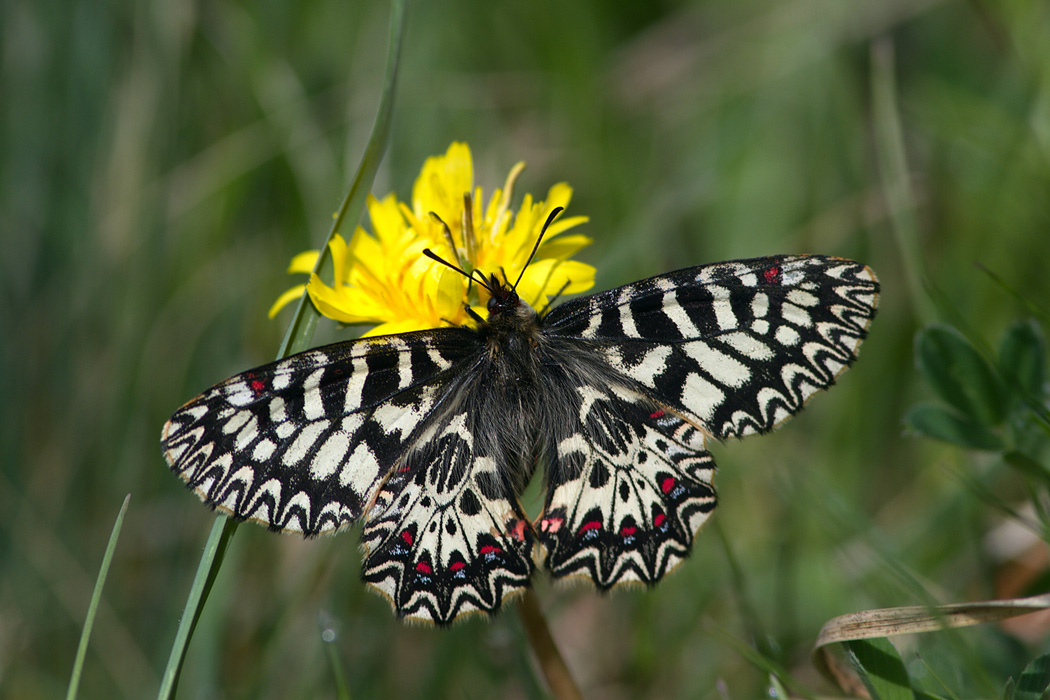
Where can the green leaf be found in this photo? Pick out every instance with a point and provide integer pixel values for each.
(880, 669)
(1026, 465)
(1022, 358)
(1034, 681)
(934, 421)
(959, 375)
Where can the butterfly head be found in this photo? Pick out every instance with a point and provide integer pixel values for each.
(506, 308)
(507, 312)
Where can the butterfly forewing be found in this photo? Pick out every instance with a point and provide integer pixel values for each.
(735, 347)
(304, 443)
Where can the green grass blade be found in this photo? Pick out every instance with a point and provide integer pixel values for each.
(1033, 307)
(880, 669)
(749, 616)
(759, 660)
(329, 636)
(96, 596)
(208, 568)
(301, 329)
(893, 169)
(298, 336)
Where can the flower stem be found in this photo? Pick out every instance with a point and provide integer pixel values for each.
(300, 332)
(304, 321)
(562, 685)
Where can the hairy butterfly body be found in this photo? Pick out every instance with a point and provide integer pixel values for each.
(430, 437)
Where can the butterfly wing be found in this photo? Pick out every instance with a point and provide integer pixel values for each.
(447, 535)
(312, 443)
(718, 350)
(303, 444)
(628, 485)
(735, 347)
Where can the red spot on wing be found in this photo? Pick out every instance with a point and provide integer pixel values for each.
(551, 524)
(771, 274)
(656, 414)
(667, 484)
(490, 549)
(659, 519)
(424, 568)
(517, 530)
(628, 530)
(456, 566)
(592, 525)
(258, 385)
(406, 536)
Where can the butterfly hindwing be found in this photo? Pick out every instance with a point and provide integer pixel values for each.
(735, 347)
(628, 486)
(446, 536)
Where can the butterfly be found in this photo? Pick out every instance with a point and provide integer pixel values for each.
(430, 437)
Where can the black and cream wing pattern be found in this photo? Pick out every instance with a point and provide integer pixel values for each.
(430, 437)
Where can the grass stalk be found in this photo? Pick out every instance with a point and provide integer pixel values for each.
(893, 169)
(329, 637)
(96, 597)
(304, 321)
(297, 338)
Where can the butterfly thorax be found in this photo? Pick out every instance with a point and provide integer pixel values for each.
(511, 332)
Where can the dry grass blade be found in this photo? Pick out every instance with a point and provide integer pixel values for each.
(913, 619)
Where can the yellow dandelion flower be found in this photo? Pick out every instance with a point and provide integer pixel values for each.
(383, 278)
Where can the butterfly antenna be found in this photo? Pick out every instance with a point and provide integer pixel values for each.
(470, 276)
(448, 237)
(539, 238)
(547, 308)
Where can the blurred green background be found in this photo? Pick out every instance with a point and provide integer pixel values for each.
(162, 161)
